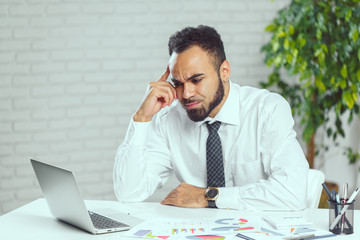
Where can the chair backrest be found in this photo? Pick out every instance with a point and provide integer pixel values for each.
(314, 188)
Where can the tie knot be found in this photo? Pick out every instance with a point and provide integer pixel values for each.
(214, 127)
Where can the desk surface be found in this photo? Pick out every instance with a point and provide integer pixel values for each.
(34, 220)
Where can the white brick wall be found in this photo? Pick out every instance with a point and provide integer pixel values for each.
(73, 72)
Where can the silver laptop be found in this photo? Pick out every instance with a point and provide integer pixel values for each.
(66, 203)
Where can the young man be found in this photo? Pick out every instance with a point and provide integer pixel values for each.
(251, 160)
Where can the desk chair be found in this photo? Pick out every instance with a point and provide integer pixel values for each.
(314, 188)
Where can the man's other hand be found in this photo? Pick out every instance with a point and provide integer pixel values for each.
(186, 195)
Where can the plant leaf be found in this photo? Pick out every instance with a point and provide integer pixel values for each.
(281, 34)
(318, 34)
(291, 29)
(277, 60)
(270, 28)
(332, 80)
(324, 47)
(355, 35)
(355, 97)
(343, 84)
(289, 58)
(344, 71)
(348, 99)
(348, 15)
(320, 85)
(286, 44)
(275, 46)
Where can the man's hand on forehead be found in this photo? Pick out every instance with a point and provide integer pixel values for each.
(160, 94)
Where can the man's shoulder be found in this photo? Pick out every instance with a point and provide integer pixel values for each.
(255, 96)
(262, 104)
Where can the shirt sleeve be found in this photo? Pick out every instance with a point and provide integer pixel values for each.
(284, 164)
(142, 162)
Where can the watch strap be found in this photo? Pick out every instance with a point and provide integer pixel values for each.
(212, 204)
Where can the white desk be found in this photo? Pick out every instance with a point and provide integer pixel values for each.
(34, 220)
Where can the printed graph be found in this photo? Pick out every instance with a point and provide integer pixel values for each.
(206, 237)
(195, 228)
(149, 234)
(232, 224)
(187, 230)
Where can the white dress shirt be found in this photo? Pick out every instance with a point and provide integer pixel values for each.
(265, 168)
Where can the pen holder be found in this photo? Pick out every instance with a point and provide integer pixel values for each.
(346, 223)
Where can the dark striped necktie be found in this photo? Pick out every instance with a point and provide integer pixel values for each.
(214, 159)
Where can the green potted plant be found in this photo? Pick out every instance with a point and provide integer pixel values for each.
(316, 44)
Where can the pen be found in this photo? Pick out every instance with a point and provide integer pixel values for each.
(345, 192)
(338, 209)
(299, 237)
(327, 190)
(333, 195)
(338, 203)
(334, 200)
(351, 199)
(244, 237)
(324, 236)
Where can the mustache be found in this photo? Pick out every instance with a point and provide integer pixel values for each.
(189, 100)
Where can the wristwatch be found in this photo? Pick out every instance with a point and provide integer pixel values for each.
(211, 195)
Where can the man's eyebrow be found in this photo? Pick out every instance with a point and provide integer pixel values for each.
(195, 76)
(190, 78)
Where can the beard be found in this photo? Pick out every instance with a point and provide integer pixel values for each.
(200, 114)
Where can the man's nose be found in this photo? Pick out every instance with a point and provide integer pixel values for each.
(188, 90)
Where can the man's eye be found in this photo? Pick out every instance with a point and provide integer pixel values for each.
(178, 84)
(196, 80)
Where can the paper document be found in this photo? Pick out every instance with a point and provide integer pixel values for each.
(242, 227)
(197, 228)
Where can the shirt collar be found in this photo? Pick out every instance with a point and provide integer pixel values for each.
(229, 112)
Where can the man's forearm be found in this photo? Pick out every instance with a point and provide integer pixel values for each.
(186, 195)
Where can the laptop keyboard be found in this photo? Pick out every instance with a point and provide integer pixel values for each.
(102, 222)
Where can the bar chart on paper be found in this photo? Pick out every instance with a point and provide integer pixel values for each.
(194, 228)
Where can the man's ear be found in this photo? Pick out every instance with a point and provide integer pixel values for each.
(225, 71)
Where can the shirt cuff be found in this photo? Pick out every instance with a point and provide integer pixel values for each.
(137, 132)
(228, 199)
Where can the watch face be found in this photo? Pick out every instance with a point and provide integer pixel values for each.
(213, 192)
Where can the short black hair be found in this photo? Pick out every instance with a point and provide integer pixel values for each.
(207, 38)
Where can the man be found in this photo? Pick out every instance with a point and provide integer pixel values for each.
(251, 160)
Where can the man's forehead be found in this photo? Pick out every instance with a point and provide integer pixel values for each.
(187, 73)
(191, 61)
